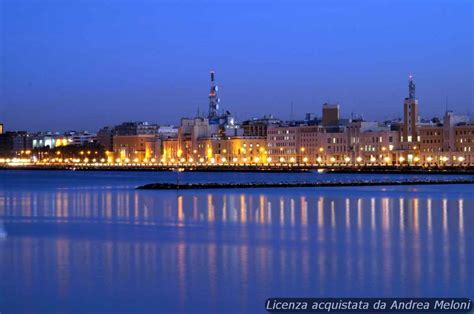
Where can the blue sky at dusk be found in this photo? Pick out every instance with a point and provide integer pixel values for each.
(85, 64)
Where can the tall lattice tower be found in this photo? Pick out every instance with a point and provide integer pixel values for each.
(213, 99)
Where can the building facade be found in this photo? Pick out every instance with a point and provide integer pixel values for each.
(137, 148)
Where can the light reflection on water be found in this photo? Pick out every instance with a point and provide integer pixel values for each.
(126, 250)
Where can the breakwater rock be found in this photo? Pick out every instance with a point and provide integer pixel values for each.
(189, 186)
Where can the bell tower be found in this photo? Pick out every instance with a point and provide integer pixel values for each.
(410, 114)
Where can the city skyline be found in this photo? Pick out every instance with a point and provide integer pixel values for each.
(236, 156)
(95, 71)
(292, 115)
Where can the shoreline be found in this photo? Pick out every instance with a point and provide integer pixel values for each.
(200, 186)
(264, 168)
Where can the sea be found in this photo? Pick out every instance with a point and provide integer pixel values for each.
(90, 242)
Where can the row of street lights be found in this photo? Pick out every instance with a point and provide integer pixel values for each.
(223, 161)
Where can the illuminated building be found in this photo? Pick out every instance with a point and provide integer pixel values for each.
(170, 147)
(190, 132)
(49, 140)
(431, 143)
(136, 148)
(333, 147)
(378, 146)
(242, 150)
(464, 142)
(450, 142)
(309, 149)
(451, 120)
(283, 143)
(106, 134)
(79, 138)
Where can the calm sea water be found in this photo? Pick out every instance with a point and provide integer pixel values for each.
(88, 242)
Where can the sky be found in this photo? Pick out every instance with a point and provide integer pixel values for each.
(81, 65)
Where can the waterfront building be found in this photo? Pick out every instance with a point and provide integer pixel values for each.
(377, 146)
(80, 138)
(449, 142)
(354, 129)
(49, 140)
(259, 126)
(170, 147)
(310, 147)
(431, 143)
(53, 140)
(464, 142)
(167, 131)
(242, 150)
(105, 137)
(137, 148)
(189, 132)
(283, 143)
(333, 147)
(13, 143)
(451, 120)
(206, 150)
(106, 134)
(136, 128)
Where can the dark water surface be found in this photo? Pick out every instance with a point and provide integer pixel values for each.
(89, 242)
